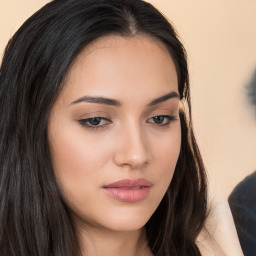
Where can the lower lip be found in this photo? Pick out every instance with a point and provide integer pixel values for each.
(128, 194)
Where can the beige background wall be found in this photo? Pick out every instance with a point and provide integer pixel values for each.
(220, 39)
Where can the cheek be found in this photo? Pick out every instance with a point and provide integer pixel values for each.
(77, 163)
(77, 159)
(75, 150)
(166, 153)
(167, 148)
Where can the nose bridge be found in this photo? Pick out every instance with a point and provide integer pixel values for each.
(133, 145)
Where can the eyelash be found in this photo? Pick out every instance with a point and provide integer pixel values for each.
(169, 119)
(85, 122)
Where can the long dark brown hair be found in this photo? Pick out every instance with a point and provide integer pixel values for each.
(34, 219)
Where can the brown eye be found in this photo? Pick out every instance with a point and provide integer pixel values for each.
(94, 122)
(158, 119)
(161, 120)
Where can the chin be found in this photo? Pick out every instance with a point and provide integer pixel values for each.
(128, 226)
(129, 221)
(118, 217)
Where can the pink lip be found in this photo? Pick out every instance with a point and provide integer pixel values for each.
(129, 190)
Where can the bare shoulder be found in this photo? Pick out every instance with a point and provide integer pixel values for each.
(219, 237)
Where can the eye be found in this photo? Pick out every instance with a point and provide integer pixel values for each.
(94, 122)
(161, 120)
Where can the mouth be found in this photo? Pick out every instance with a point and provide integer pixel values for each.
(129, 190)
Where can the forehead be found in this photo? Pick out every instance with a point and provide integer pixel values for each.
(122, 66)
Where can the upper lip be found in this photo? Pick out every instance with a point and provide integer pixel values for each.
(129, 183)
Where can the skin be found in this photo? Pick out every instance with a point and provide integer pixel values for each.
(219, 237)
(128, 143)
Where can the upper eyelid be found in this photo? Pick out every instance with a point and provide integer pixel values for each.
(94, 114)
(109, 119)
(85, 122)
(151, 111)
(170, 117)
(161, 110)
(88, 118)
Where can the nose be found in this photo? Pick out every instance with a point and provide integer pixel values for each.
(132, 149)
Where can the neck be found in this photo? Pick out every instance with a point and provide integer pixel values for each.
(96, 241)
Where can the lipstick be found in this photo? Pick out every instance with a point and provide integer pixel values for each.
(128, 190)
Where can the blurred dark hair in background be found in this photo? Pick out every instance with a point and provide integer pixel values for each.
(251, 90)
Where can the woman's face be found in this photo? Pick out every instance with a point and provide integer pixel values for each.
(114, 132)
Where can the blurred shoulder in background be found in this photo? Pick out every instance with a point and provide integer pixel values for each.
(242, 200)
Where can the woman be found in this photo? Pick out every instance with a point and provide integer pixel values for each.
(98, 155)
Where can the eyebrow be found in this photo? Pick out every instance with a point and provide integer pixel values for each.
(164, 98)
(113, 102)
(98, 100)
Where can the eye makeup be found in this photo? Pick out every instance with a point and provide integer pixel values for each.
(95, 122)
